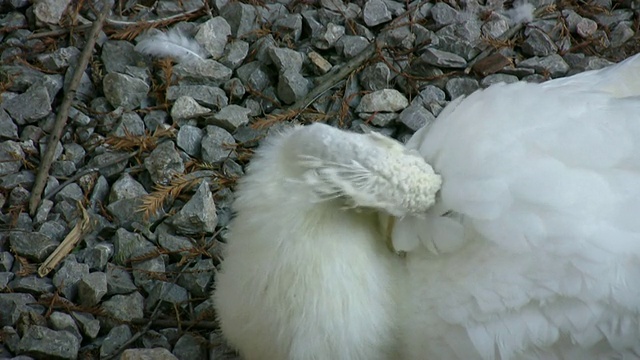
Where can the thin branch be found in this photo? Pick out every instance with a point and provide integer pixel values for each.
(90, 170)
(507, 35)
(70, 241)
(63, 113)
(170, 323)
(151, 23)
(149, 322)
(58, 32)
(335, 76)
(117, 24)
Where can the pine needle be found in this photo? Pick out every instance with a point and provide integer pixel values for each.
(145, 142)
(272, 119)
(162, 194)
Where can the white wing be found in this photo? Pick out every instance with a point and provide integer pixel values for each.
(533, 250)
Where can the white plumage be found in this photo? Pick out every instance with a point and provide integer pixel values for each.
(305, 275)
(173, 44)
(531, 250)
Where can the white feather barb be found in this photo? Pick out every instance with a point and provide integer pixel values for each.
(172, 44)
(331, 180)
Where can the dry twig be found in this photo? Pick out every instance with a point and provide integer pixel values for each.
(63, 112)
(505, 37)
(147, 325)
(75, 235)
(168, 323)
(90, 170)
(334, 77)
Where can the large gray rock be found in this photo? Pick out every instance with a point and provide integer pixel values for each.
(230, 117)
(209, 96)
(11, 155)
(457, 87)
(32, 284)
(126, 187)
(123, 308)
(128, 245)
(66, 278)
(118, 54)
(254, 75)
(198, 277)
(538, 43)
(292, 86)
(198, 215)
(234, 54)
(8, 129)
(91, 288)
(63, 321)
(204, 72)
(130, 123)
(14, 304)
(59, 59)
(87, 323)
(289, 27)
(43, 343)
(443, 14)
(440, 58)
(30, 106)
(167, 295)
(6, 261)
(164, 163)
(386, 100)
(5, 278)
(553, 65)
(415, 117)
(189, 139)
(286, 59)
(190, 347)
(375, 12)
(217, 145)
(147, 354)
(242, 18)
(116, 337)
(213, 36)
(124, 90)
(50, 11)
(34, 246)
(185, 107)
(119, 281)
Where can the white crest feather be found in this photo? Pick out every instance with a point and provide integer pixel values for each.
(173, 44)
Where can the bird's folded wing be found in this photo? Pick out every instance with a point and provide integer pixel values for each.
(537, 215)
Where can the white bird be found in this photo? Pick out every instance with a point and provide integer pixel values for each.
(306, 274)
(530, 251)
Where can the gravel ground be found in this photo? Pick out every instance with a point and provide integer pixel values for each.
(117, 168)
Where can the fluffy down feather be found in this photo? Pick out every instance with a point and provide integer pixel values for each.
(305, 275)
(540, 194)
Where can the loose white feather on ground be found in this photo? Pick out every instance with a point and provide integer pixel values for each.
(172, 43)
